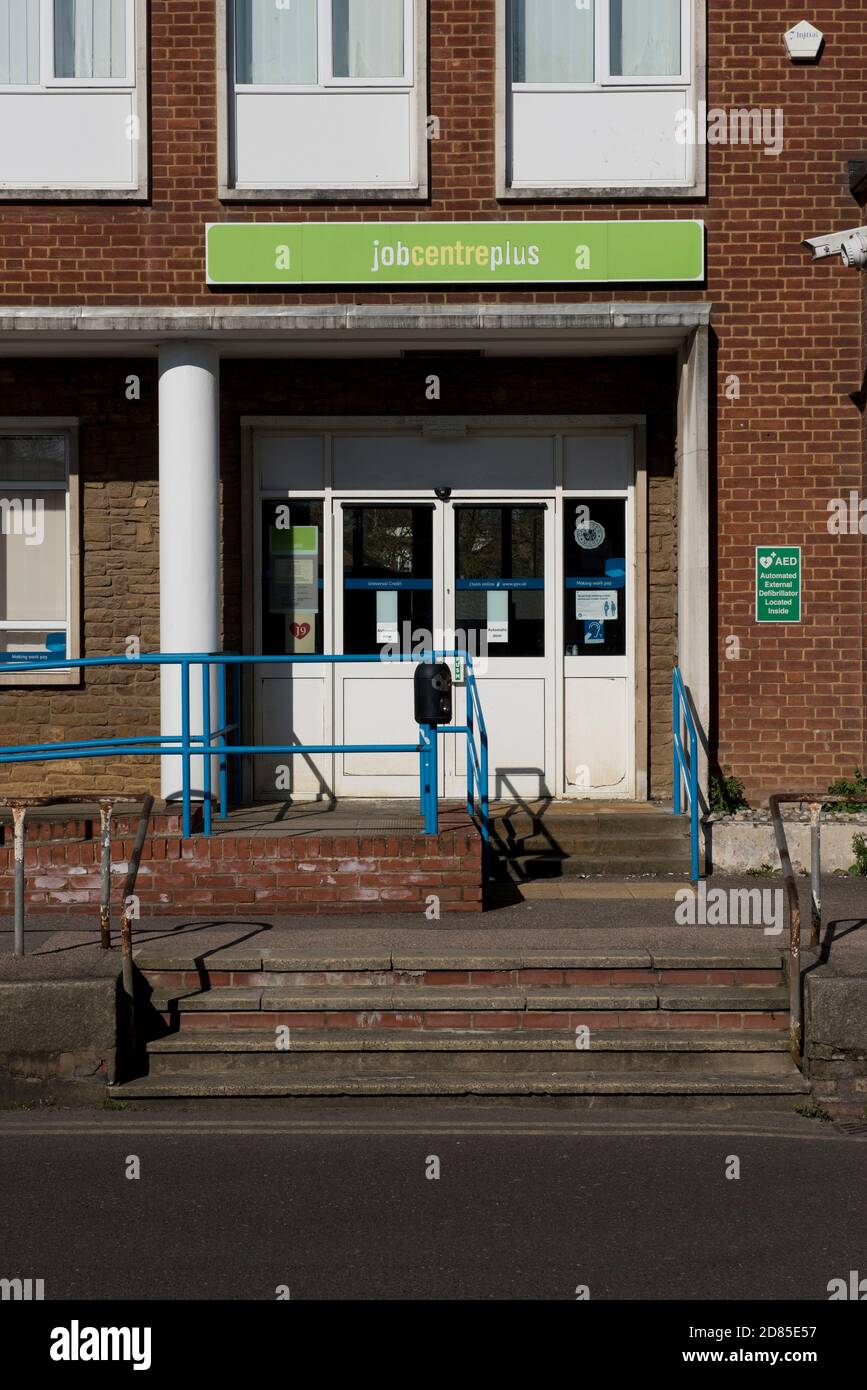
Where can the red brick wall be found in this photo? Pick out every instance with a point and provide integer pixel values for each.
(792, 708)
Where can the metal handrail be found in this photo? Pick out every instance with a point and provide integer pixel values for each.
(686, 772)
(815, 802)
(214, 743)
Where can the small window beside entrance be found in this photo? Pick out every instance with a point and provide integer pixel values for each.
(500, 579)
(594, 563)
(38, 555)
(292, 582)
(387, 579)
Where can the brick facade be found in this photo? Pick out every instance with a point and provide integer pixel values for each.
(791, 709)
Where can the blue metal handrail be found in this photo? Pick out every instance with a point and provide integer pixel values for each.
(223, 742)
(686, 771)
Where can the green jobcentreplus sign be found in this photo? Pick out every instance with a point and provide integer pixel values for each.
(778, 583)
(477, 253)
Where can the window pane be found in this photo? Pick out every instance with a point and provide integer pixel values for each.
(49, 644)
(90, 38)
(645, 38)
(387, 578)
(275, 45)
(19, 41)
(292, 608)
(38, 458)
(552, 41)
(33, 557)
(367, 37)
(594, 562)
(500, 600)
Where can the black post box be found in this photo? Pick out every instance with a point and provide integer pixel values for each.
(433, 694)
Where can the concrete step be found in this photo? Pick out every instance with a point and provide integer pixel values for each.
(160, 957)
(673, 1084)
(537, 866)
(463, 998)
(589, 843)
(321, 1052)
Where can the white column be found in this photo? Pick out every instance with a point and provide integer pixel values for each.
(189, 395)
(693, 561)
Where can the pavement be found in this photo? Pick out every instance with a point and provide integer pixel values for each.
(417, 1202)
(61, 947)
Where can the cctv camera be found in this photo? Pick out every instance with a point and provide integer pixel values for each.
(443, 493)
(853, 252)
(850, 246)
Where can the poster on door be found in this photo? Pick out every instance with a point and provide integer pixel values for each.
(293, 589)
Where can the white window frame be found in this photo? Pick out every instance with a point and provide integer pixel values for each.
(68, 427)
(135, 82)
(414, 82)
(692, 80)
(602, 58)
(46, 40)
(325, 59)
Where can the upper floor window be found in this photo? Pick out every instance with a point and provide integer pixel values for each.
(65, 41)
(68, 92)
(596, 88)
(324, 94)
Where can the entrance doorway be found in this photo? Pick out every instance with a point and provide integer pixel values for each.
(513, 540)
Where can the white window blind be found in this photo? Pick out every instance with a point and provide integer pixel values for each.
(90, 39)
(368, 38)
(19, 42)
(276, 46)
(645, 38)
(553, 41)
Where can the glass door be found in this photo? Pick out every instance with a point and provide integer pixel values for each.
(500, 604)
(293, 703)
(388, 590)
(598, 626)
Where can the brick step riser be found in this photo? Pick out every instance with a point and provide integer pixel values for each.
(449, 1062)
(316, 979)
(479, 1020)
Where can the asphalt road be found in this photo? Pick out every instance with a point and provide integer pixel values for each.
(234, 1201)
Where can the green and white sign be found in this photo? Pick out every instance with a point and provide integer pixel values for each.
(448, 253)
(778, 584)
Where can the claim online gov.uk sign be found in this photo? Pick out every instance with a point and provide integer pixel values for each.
(450, 253)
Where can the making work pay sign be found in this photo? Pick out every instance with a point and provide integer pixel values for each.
(478, 253)
(778, 583)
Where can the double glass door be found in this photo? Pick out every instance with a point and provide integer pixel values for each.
(445, 575)
(539, 586)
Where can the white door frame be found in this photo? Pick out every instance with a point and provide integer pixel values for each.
(556, 425)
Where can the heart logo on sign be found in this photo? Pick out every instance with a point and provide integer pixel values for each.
(299, 631)
(766, 561)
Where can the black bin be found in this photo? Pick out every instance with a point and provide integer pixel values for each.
(433, 694)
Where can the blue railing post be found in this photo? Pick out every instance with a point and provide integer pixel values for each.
(206, 744)
(471, 748)
(222, 721)
(675, 719)
(693, 800)
(237, 723)
(430, 780)
(185, 750)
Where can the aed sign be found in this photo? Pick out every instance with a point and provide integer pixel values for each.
(778, 584)
(450, 253)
